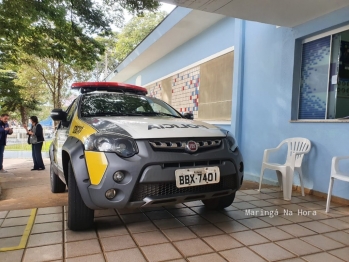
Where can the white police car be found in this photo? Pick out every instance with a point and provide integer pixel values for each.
(115, 147)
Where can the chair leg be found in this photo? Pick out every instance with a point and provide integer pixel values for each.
(287, 181)
(279, 175)
(301, 180)
(261, 178)
(329, 195)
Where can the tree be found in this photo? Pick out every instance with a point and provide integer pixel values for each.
(15, 98)
(108, 61)
(52, 74)
(61, 29)
(119, 45)
(135, 31)
(47, 44)
(36, 84)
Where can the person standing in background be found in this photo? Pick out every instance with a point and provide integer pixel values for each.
(4, 131)
(36, 140)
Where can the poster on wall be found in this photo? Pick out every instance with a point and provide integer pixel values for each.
(344, 61)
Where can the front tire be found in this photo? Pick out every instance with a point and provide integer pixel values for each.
(219, 202)
(57, 185)
(80, 217)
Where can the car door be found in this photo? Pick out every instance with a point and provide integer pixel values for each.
(63, 133)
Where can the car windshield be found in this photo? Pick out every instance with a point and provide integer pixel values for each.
(116, 104)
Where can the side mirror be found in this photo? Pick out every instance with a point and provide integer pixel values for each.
(188, 116)
(59, 115)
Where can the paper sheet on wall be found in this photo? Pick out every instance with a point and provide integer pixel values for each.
(334, 80)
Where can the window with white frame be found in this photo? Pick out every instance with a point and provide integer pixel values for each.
(324, 76)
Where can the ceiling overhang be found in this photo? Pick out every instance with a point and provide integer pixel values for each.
(287, 13)
(146, 53)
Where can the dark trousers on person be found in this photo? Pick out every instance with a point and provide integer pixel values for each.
(2, 149)
(37, 157)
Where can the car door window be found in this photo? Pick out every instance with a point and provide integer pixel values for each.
(70, 114)
(71, 110)
(159, 108)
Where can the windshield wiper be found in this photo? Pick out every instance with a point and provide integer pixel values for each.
(133, 114)
(114, 114)
(158, 114)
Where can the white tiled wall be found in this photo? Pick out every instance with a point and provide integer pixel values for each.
(155, 90)
(185, 91)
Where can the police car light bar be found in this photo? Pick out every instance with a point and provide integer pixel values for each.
(86, 87)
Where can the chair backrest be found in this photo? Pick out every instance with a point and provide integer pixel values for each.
(297, 145)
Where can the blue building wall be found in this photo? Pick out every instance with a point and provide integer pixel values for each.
(264, 86)
(218, 37)
(268, 65)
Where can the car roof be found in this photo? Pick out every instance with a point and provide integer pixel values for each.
(87, 87)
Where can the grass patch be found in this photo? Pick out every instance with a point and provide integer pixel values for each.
(27, 147)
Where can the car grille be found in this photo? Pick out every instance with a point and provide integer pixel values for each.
(166, 189)
(192, 164)
(180, 145)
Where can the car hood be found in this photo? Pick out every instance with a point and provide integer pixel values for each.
(153, 127)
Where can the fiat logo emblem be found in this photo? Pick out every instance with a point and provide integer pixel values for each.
(191, 146)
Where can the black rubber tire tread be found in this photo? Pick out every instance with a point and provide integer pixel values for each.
(219, 202)
(57, 185)
(80, 217)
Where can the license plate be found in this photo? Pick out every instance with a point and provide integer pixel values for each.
(197, 176)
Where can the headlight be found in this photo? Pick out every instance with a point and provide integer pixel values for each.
(124, 147)
(103, 144)
(232, 143)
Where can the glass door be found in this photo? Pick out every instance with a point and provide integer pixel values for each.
(342, 101)
(333, 80)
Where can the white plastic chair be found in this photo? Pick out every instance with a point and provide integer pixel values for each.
(336, 174)
(297, 147)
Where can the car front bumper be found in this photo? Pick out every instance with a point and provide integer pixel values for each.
(150, 177)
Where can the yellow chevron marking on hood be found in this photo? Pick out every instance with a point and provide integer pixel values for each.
(80, 129)
(96, 164)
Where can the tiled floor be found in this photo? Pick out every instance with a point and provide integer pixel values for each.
(271, 230)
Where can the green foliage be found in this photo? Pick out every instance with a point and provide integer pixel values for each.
(61, 29)
(37, 85)
(43, 113)
(119, 45)
(15, 98)
(53, 75)
(137, 7)
(45, 45)
(135, 31)
(42, 28)
(27, 147)
(109, 58)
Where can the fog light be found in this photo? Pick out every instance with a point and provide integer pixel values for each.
(110, 194)
(118, 176)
